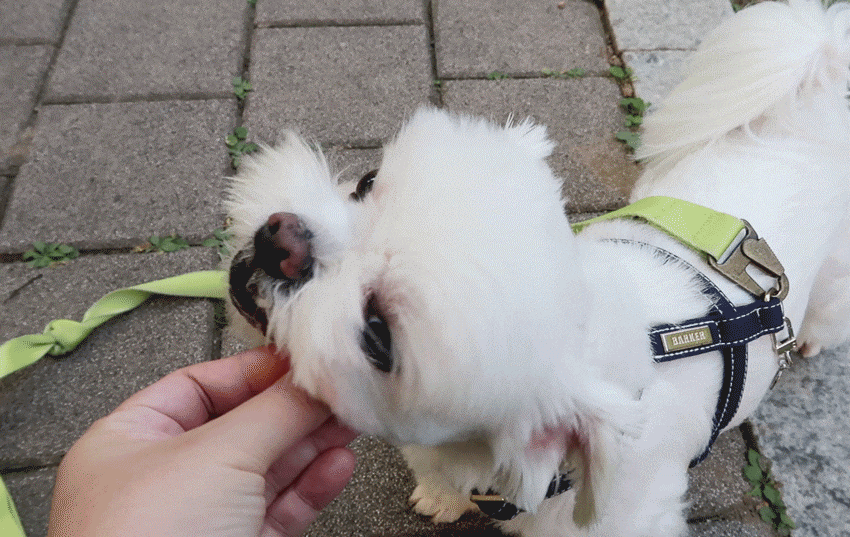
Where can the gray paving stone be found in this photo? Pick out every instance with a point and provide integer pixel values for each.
(477, 38)
(110, 174)
(338, 85)
(717, 484)
(22, 70)
(45, 407)
(116, 49)
(375, 501)
(656, 72)
(35, 21)
(32, 492)
(802, 427)
(293, 12)
(731, 528)
(664, 24)
(582, 116)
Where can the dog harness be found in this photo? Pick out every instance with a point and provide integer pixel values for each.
(730, 246)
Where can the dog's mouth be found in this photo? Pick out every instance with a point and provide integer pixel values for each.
(280, 258)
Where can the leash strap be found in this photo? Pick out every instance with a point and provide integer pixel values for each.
(497, 507)
(62, 336)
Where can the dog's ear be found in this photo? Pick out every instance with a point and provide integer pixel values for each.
(532, 138)
(590, 455)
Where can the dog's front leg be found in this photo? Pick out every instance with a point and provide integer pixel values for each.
(440, 472)
(646, 498)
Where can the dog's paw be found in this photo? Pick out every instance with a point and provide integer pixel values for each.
(439, 504)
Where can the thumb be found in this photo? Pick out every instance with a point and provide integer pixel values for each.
(253, 435)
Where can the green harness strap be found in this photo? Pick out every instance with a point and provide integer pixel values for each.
(698, 227)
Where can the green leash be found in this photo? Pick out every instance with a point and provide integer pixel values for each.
(700, 228)
(62, 336)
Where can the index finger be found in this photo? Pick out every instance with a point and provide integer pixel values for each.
(193, 395)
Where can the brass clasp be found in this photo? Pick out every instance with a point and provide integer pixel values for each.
(753, 250)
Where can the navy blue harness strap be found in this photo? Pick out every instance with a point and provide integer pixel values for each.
(727, 328)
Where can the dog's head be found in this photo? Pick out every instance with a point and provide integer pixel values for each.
(437, 301)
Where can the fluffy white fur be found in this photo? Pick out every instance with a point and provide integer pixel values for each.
(521, 349)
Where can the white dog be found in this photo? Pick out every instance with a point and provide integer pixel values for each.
(447, 306)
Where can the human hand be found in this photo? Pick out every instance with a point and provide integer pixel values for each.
(221, 448)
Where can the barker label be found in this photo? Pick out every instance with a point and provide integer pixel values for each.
(687, 339)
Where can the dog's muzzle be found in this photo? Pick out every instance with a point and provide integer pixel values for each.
(280, 259)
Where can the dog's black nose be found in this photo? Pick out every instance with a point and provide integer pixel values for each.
(282, 248)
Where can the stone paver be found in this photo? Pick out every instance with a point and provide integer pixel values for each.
(664, 24)
(517, 38)
(22, 69)
(802, 427)
(45, 407)
(35, 21)
(109, 174)
(657, 47)
(582, 116)
(715, 485)
(337, 85)
(329, 12)
(32, 491)
(120, 49)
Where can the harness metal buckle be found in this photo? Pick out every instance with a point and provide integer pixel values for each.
(783, 349)
(752, 250)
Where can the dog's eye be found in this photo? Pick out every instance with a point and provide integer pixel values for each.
(364, 186)
(376, 342)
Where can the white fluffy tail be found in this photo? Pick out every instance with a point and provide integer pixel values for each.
(763, 60)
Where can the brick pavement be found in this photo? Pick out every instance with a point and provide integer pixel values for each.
(111, 130)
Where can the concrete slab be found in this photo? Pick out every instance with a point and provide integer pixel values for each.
(111, 174)
(45, 407)
(22, 71)
(31, 22)
(120, 50)
(717, 485)
(664, 24)
(731, 528)
(375, 501)
(32, 492)
(348, 12)
(802, 428)
(582, 116)
(338, 85)
(656, 72)
(517, 38)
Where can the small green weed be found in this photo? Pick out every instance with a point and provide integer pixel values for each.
(575, 72)
(773, 511)
(241, 87)
(635, 108)
(219, 241)
(237, 146)
(496, 75)
(622, 74)
(172, 243)
(252, 3)
(631, 139)
(44, 254)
